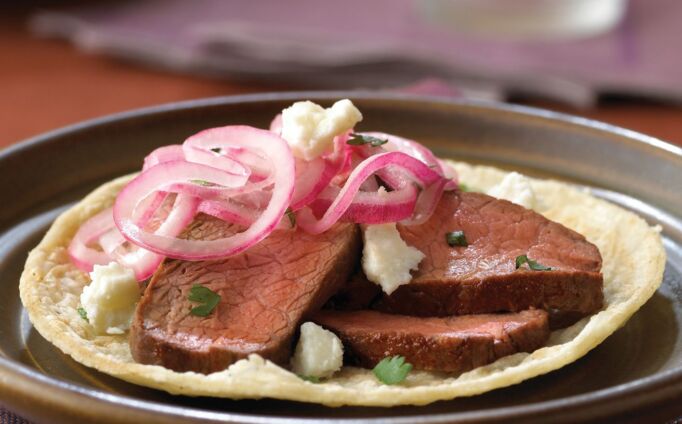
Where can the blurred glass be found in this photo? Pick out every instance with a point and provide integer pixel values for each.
(527, 19)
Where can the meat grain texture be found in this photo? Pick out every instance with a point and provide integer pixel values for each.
(452, 344)
(265, 293)
(482, 277)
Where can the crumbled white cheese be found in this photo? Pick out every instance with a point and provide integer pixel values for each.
(319, 352)
(386, 258)
(517, 189)
(109, 300)
(310, 129)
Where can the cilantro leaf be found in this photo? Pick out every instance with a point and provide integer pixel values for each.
(523, 259)
(465, 188)
(456, 238)
(207, 297)
(310, 378)
(292, 217)
(392, 370)
(202, 183)
(83, 314)
(361, 139)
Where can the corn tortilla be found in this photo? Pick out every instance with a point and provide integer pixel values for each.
(633, 269)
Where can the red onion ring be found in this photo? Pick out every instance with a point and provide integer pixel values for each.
(417, 151)
(209, 141)
(249, 177)
(421, 173)
(229, 212)
(144, 262)
(85, 257)
(169, 153)
(215, 160)
(371, 207)
(164, 174)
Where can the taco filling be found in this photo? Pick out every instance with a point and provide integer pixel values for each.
(316, 263)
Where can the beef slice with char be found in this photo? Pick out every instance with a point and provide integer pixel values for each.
(482, 277)
(265, 293)
(452, 344)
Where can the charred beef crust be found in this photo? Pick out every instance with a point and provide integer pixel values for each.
(577, 292)
(453, 344)
(481, 277)
(265, 293)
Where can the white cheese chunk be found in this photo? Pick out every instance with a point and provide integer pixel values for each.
(310, 129)
(319, 352)
(517, 189)
(109, 300)
(386, 258)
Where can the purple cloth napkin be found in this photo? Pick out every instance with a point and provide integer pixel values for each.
(382, 43)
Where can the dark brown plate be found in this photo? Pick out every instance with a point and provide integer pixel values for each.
(636, 374)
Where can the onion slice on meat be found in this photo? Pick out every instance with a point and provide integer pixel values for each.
(417, 151)
(159, 177)
(312, 177)
(371, 207)
(144, 262)
(418, 170)
(249, 177)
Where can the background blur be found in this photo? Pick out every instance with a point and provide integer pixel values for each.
(614, 60)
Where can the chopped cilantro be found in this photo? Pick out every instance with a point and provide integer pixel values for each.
(292, 217)
(523, 259)
(310, 378)
(83, 314)
(202, 183)
(207, 297)
(392, 370)
(362, 139)
(456, 238)
(464, 187)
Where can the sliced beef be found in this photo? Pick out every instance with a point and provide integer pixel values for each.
(265, 293)
(481, 277)
(452, 344)
(357, 293)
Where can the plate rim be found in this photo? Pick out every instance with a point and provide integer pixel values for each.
(645, 391)
(538, 112)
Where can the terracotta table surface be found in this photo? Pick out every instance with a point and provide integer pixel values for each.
(46, 84)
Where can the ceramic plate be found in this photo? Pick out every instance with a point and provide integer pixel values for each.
(636, 374)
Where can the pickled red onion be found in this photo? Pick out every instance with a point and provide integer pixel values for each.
(216, 160)
(422, 174)
(163, 154)
(418, 151)
(371, 207)
(165, 174)
(141, 261)
(249, 177)
(229, 212)
(144, 262)
(81, 255)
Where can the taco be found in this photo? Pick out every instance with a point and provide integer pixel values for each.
(262, 294)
